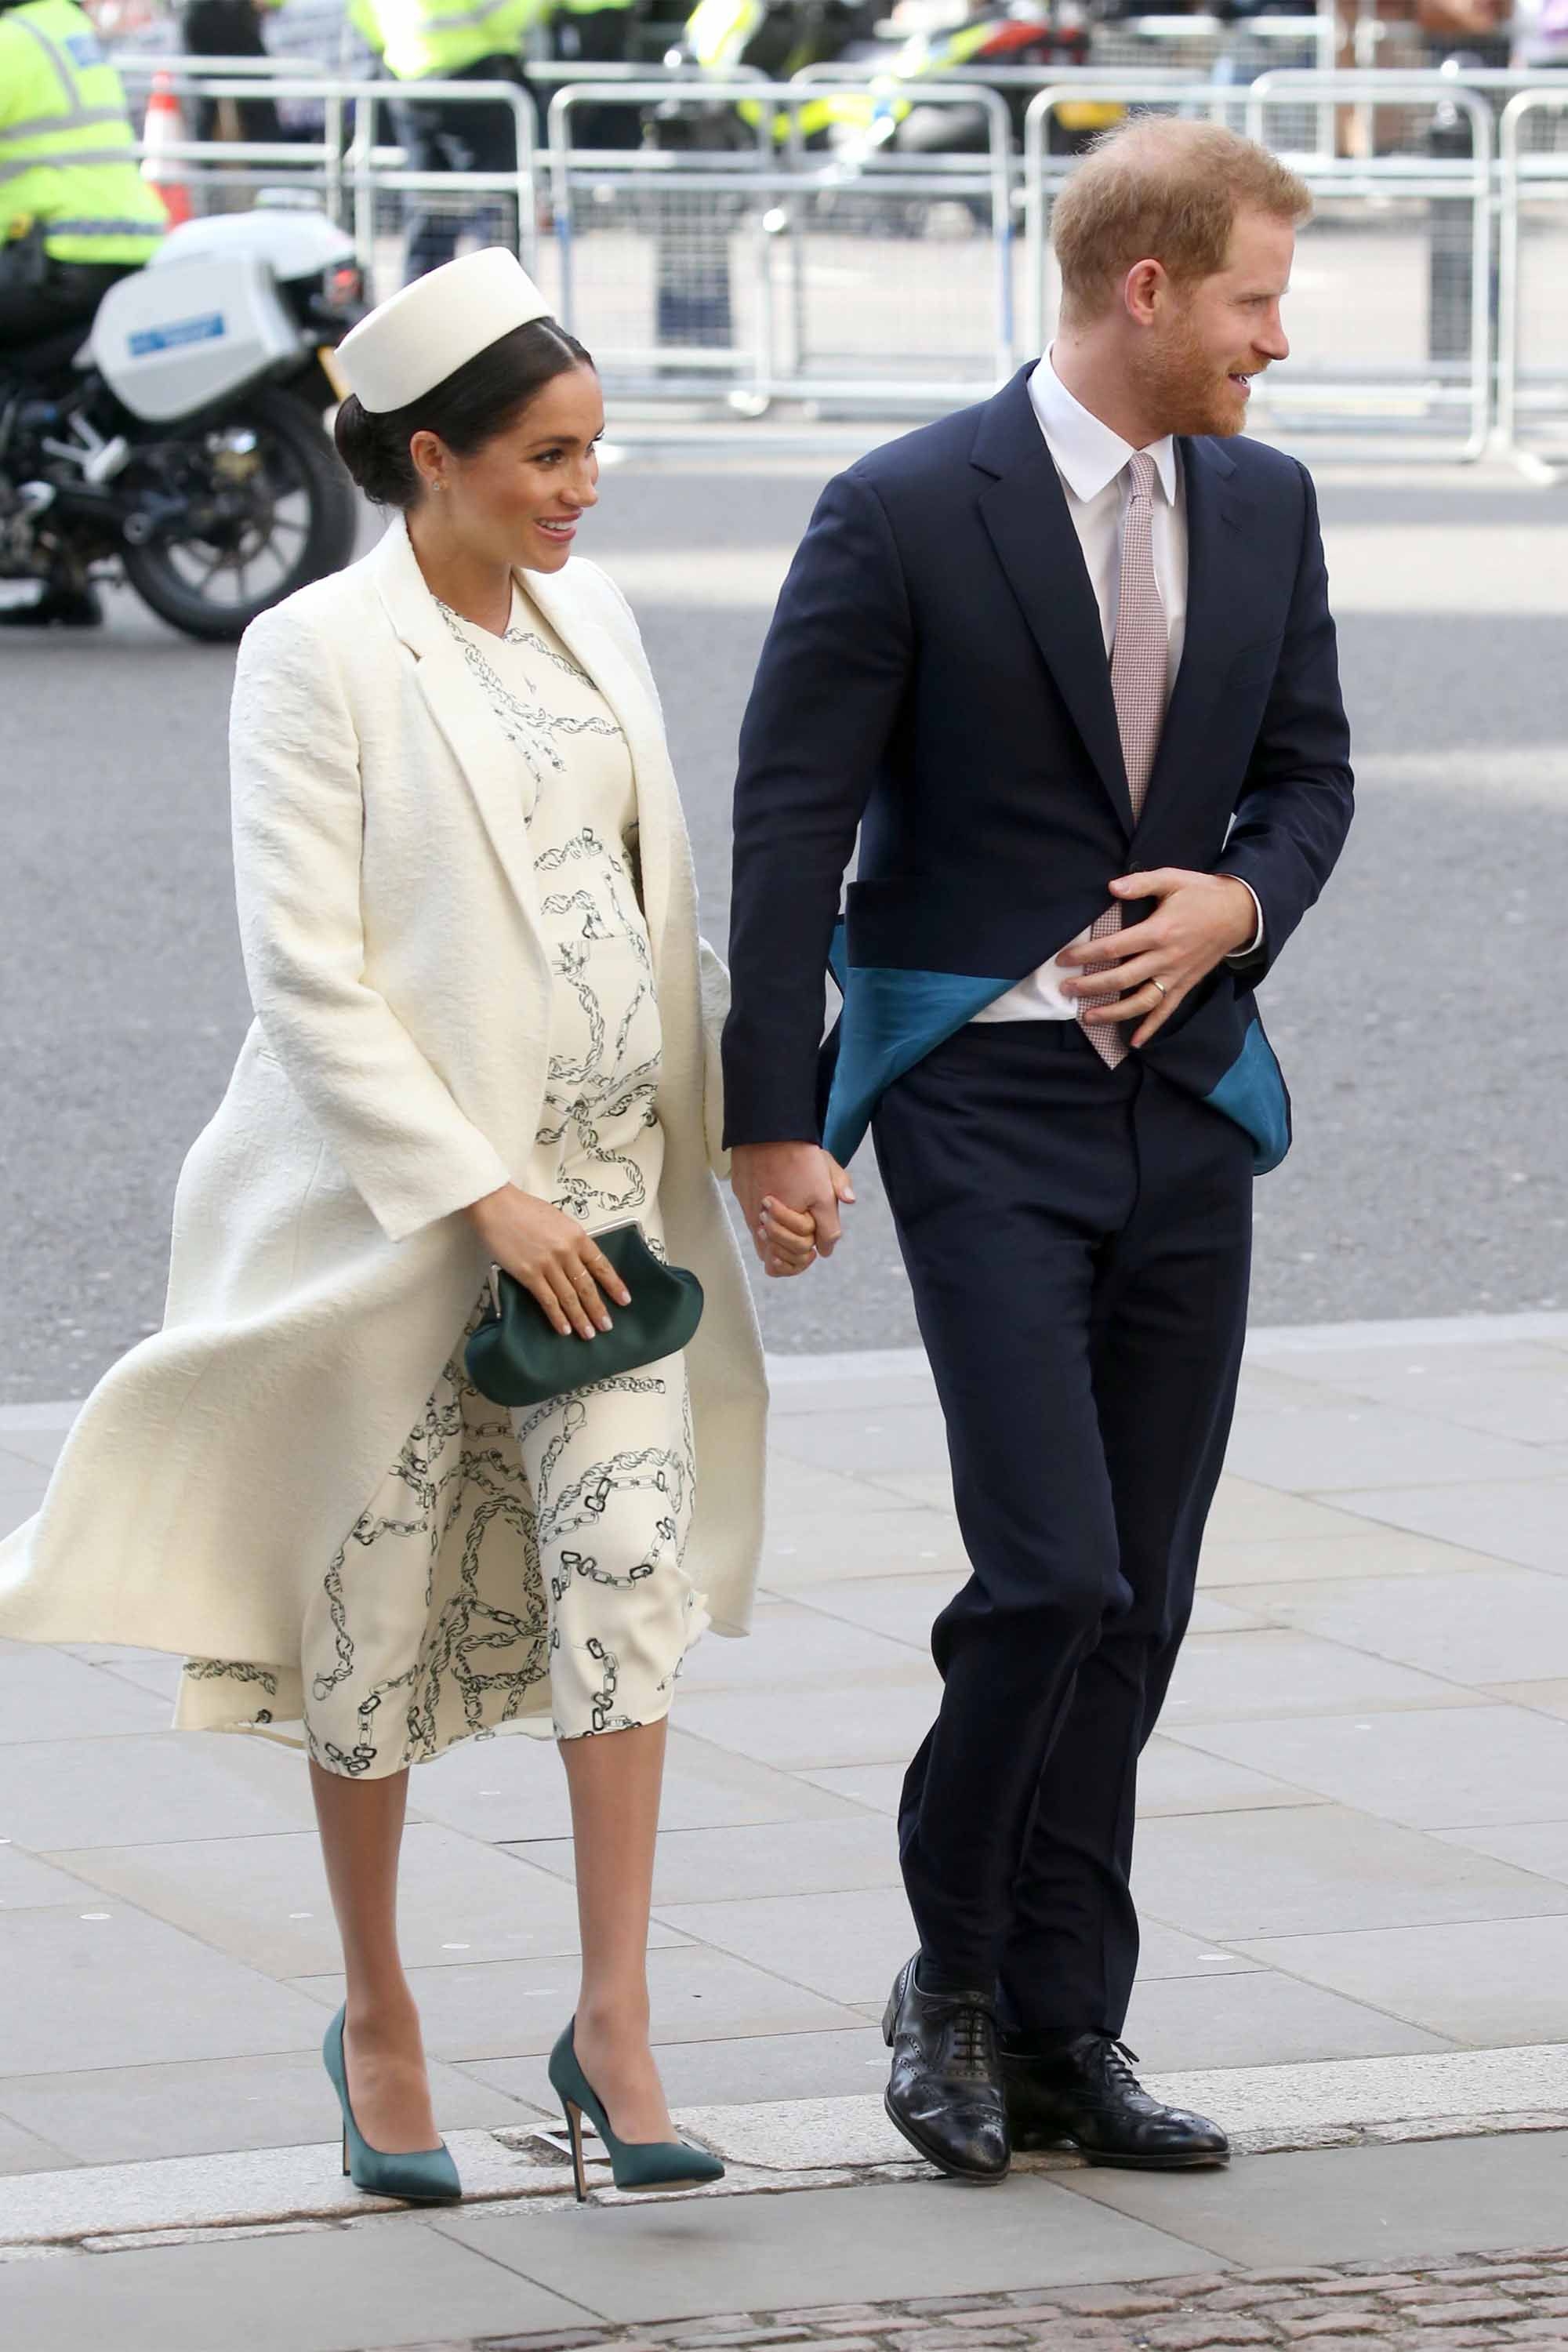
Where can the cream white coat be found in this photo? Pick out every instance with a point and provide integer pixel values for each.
(320, 1275)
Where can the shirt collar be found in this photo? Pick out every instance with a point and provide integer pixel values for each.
(1087, 453)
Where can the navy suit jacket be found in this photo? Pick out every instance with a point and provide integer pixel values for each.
(935, 675)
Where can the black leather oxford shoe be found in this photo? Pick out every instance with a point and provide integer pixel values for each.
(1086, 2096)
(945, 2094)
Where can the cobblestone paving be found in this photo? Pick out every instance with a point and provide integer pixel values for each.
(1477, 2300)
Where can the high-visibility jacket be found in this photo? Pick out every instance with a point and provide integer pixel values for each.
(717, 31)
(68, 153)
(926, 54)
(720, 32)
(424, 40)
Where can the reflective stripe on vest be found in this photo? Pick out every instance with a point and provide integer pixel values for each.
(68, 156)
(421, 42)
(97, 228)
(80, 155)
(42, 126)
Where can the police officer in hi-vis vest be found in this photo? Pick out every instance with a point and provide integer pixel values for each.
(75, 212)
(451, 40)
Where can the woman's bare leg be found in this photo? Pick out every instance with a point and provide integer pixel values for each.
(615, 1779)
(362, 1832)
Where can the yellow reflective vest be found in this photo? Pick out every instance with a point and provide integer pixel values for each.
(424, 40)
(718, 33)
(68, 153)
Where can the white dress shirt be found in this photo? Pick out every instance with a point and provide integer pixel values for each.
(1092, 462)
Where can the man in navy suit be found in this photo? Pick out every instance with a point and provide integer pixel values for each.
(1065, 660)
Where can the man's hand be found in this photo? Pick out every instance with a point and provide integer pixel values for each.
(1201, 919)
(789, 1195)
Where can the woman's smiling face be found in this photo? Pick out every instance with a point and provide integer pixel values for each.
(517, 499)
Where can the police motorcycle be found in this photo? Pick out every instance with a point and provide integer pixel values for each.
(184, 440)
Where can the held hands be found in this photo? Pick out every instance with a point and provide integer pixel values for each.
(790, 1195)
(552, 1257)
(1201, 919)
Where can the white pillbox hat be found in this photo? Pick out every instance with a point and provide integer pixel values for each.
(417, 338)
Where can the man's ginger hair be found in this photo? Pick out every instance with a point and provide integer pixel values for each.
(1162, 189)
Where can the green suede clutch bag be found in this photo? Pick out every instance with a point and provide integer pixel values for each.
(516, 1357)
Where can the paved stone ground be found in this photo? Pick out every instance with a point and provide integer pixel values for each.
(1354, 1842)
(1519, 2297)
(1508, 2298)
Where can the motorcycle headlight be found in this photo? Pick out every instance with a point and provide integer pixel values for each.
(342, 287)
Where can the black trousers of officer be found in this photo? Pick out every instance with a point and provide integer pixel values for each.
(1078, 1243)
(600, 36)
(457, 135)
(230, 28)
(41, 297)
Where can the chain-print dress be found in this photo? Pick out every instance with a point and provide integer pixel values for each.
(413, 1641)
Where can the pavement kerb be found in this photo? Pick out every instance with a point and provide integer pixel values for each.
(775, 2147)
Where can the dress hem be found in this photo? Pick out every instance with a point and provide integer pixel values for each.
(536, 1724)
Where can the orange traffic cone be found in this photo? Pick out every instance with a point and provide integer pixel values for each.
(163, 128)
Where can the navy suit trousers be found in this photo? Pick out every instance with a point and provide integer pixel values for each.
(1078, 1243)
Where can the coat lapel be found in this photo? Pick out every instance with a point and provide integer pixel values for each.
(1218, 612)
(458, 709)
(579, 608)
(1025, 512)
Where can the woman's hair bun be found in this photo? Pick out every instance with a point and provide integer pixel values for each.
(378, 460)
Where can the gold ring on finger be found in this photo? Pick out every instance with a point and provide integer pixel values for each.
(1159, 985)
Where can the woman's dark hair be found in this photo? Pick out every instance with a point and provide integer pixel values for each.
(482, 398)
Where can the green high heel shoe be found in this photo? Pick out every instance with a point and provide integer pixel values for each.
(636, 2164)
(421, 2176)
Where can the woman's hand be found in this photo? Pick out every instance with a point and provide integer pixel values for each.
(552, 1257)
(787, 1237)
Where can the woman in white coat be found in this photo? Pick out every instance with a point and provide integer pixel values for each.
(485, 1028)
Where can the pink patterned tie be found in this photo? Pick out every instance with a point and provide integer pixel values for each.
(1138, 660)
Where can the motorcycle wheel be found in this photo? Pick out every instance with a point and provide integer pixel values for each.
(293, 519)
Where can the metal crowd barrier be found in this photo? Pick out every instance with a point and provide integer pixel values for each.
(136, 67)
(1390, 318)
(777, 268)
(769, 241)
(1227, 53)
(362, 182)
(1532, 386)
(1405, 338)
